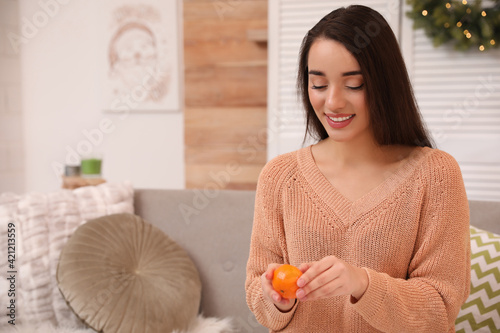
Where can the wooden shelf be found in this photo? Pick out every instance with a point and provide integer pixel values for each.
(257, 35)
(76, 182)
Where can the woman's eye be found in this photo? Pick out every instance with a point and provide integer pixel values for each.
(356, 88)
(318, 87)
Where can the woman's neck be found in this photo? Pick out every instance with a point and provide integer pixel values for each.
(355, 153)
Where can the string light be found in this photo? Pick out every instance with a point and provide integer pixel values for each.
(442, 25)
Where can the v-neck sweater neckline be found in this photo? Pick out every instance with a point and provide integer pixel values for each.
(349, 210)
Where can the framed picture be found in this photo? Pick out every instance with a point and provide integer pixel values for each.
(142, 57)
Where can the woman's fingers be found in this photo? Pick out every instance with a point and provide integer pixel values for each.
(270, 270)
(312, 270)
(267, 285)
(323, 285)
(283, 304)
(305, 266)
(325, 278)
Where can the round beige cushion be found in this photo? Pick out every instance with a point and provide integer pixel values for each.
(121, 274)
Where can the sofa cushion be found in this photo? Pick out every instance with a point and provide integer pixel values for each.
(40, 225)
(481, 311)
(119, 273)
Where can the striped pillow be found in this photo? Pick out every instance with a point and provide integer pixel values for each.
(481, 311)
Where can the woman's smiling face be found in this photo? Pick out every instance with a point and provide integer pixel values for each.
(337, 91)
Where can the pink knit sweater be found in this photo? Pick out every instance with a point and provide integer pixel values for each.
(411, 234)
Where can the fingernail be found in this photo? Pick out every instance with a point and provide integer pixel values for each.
(300, 293)
(300, 283)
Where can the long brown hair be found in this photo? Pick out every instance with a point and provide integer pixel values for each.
(394, 114)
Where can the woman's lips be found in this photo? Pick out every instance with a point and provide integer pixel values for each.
(339, 120)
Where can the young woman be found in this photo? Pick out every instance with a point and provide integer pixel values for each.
(375, 217)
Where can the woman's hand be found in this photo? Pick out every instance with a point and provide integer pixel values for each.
(331, 277)
(283, 304)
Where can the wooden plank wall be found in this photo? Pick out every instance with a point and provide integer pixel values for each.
(225, 93)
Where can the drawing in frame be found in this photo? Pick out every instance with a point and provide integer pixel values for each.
(142, 57)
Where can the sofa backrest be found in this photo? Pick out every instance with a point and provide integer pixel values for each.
(214, 227)
(485, 215)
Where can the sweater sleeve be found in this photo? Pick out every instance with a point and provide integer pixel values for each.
(438, 279)
(267, 246)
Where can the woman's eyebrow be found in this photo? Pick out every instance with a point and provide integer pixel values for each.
(314, 72)
(319, 73)
(352, 73)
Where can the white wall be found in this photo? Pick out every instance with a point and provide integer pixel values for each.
(62, 58)
(11, 134)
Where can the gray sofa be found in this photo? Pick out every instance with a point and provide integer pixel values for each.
(215, 226)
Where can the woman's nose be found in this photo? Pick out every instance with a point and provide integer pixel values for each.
(335, 99)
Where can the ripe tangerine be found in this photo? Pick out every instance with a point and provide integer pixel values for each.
(285, 280)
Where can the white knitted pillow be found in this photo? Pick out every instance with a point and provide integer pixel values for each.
(480, 313)
(42, 223)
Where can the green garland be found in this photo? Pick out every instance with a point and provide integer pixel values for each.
(465, 22)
